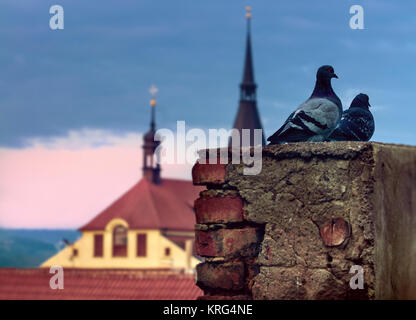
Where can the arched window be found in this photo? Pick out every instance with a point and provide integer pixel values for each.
(119, 241)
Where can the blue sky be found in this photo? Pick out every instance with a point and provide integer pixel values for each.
(97, 71)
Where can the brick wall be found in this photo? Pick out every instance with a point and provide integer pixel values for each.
(294, 230)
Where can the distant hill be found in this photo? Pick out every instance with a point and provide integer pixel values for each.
(28, 248)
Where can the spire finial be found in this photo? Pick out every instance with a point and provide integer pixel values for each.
(151, 167)
(153, 90)
(248, 14)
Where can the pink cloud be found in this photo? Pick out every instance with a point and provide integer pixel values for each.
(64, 182)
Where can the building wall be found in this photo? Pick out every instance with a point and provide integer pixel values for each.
(155, 251)
(305, 226)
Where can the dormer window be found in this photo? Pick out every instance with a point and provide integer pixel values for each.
(120, 241)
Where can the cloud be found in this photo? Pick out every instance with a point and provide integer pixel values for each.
(394, 46)
(299, 22)
(348, 95)
(84, 139)
(136, 32)
(382, 45)
(62, 182)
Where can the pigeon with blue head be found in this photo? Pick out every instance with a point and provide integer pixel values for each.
(357, 123)
(316, 118)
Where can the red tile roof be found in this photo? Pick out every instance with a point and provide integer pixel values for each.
(146, 205)
(28, 284)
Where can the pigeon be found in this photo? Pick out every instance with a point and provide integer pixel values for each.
(317, 117)
(357, 123)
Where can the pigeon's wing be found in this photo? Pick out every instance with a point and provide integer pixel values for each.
(358, 124)
(317, 116)
(320, 114)
(338, 134)
(342, 131)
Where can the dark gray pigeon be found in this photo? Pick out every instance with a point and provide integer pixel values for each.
(317, 117)
(357, 123)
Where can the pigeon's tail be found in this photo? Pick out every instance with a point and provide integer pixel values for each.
(274, 139)
(275, 142)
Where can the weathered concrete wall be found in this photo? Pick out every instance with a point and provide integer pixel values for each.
(395, 222)
(294, 230)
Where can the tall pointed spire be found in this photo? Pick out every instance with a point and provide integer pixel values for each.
(248, 74)
(248, 115)
(151, 167)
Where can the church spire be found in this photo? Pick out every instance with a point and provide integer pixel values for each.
(151, 167)
(248, 115)
(248, 74)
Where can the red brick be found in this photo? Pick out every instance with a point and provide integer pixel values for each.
(203, 174)
(227, 242)
(224, 276)
(218, 209)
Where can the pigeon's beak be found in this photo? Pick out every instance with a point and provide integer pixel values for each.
(369, 104)
(335, 76)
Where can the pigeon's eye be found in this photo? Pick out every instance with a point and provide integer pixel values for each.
(330, 70)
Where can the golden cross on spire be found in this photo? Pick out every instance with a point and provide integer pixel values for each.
(153, 90)
(248, 14)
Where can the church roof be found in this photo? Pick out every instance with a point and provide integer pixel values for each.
(247, 116)
(146, 205)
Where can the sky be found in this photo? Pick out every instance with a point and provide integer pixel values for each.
(74, 102)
